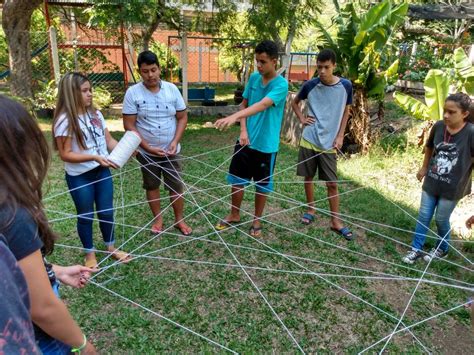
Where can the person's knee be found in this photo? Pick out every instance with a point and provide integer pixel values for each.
(332, 186)
(106, 215)
(85, 221)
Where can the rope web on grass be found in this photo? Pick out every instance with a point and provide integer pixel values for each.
(344, 270)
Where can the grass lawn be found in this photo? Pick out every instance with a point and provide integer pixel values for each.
(332, 295)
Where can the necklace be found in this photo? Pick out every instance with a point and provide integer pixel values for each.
(446, 133)
(91, 132)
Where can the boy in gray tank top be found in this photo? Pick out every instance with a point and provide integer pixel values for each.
(328, 99)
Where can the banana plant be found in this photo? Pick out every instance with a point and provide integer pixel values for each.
(436, 87)
(463, 72)
(361, 39)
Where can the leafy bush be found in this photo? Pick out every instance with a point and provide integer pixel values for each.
(102, 97)
(46, 96)
(416, 68)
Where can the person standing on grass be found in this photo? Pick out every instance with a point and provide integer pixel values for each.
(329, 99)
(155, 109)
(84, 142)
(28, 236)
(446, 173)
(260, 117)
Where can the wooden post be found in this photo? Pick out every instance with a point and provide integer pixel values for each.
(184, 65)
(54, 54)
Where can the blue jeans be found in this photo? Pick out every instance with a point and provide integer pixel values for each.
(443, 208)
(87, 190)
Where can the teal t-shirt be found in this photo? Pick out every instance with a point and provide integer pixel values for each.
(264, 127)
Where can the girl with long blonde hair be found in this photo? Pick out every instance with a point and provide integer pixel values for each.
(83, 142)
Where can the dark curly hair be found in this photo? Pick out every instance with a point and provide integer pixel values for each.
(464, 102)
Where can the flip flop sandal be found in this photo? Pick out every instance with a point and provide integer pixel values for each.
(345, 232)
(182, 231)
(307, 219)
(121, 256)
(255, 231)
(91, 263)
(223, 224)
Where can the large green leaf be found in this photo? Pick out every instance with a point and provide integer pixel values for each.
(391, 73)
(375, 15)
(436, 91)
(412, 106)
(462, 64)
(469, 86)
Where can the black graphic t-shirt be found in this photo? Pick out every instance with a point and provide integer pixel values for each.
(16, 329)
(450, 169)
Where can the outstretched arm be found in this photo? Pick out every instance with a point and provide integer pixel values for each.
(257, 107)
(47, 311)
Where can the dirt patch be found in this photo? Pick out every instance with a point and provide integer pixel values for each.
(453, 338)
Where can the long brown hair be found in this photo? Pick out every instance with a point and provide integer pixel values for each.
(70, 104)
(24, 160)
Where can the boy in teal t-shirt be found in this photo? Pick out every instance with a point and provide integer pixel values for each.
(260, 116)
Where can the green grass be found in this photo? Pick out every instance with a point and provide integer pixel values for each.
(220, 303)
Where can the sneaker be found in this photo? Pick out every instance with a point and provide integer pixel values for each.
(412, 256)
(435, 253)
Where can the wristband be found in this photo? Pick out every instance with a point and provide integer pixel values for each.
(78, 349)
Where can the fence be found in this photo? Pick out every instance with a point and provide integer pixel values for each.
(53, 53)
(209, 60)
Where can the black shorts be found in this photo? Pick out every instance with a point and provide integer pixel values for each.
(248, 164)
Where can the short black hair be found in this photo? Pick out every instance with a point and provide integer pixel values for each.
(147, 57)
(268, 47)
(325, 55)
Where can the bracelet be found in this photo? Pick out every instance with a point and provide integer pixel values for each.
(78, 350)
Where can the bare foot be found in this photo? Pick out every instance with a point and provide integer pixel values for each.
(183, 228)
(120, 255)
(157, 227)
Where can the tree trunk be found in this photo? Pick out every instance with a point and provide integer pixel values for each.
(285, 59)
(359, 122)
(16, 21)
(147, 34)
(381, 110)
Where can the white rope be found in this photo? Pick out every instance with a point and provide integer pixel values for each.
(417, 323)
(124, 149)
(162, 317)
(412, 296)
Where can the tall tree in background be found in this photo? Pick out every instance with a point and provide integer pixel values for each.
(145, 16)
(282, 20)
(16, 21)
